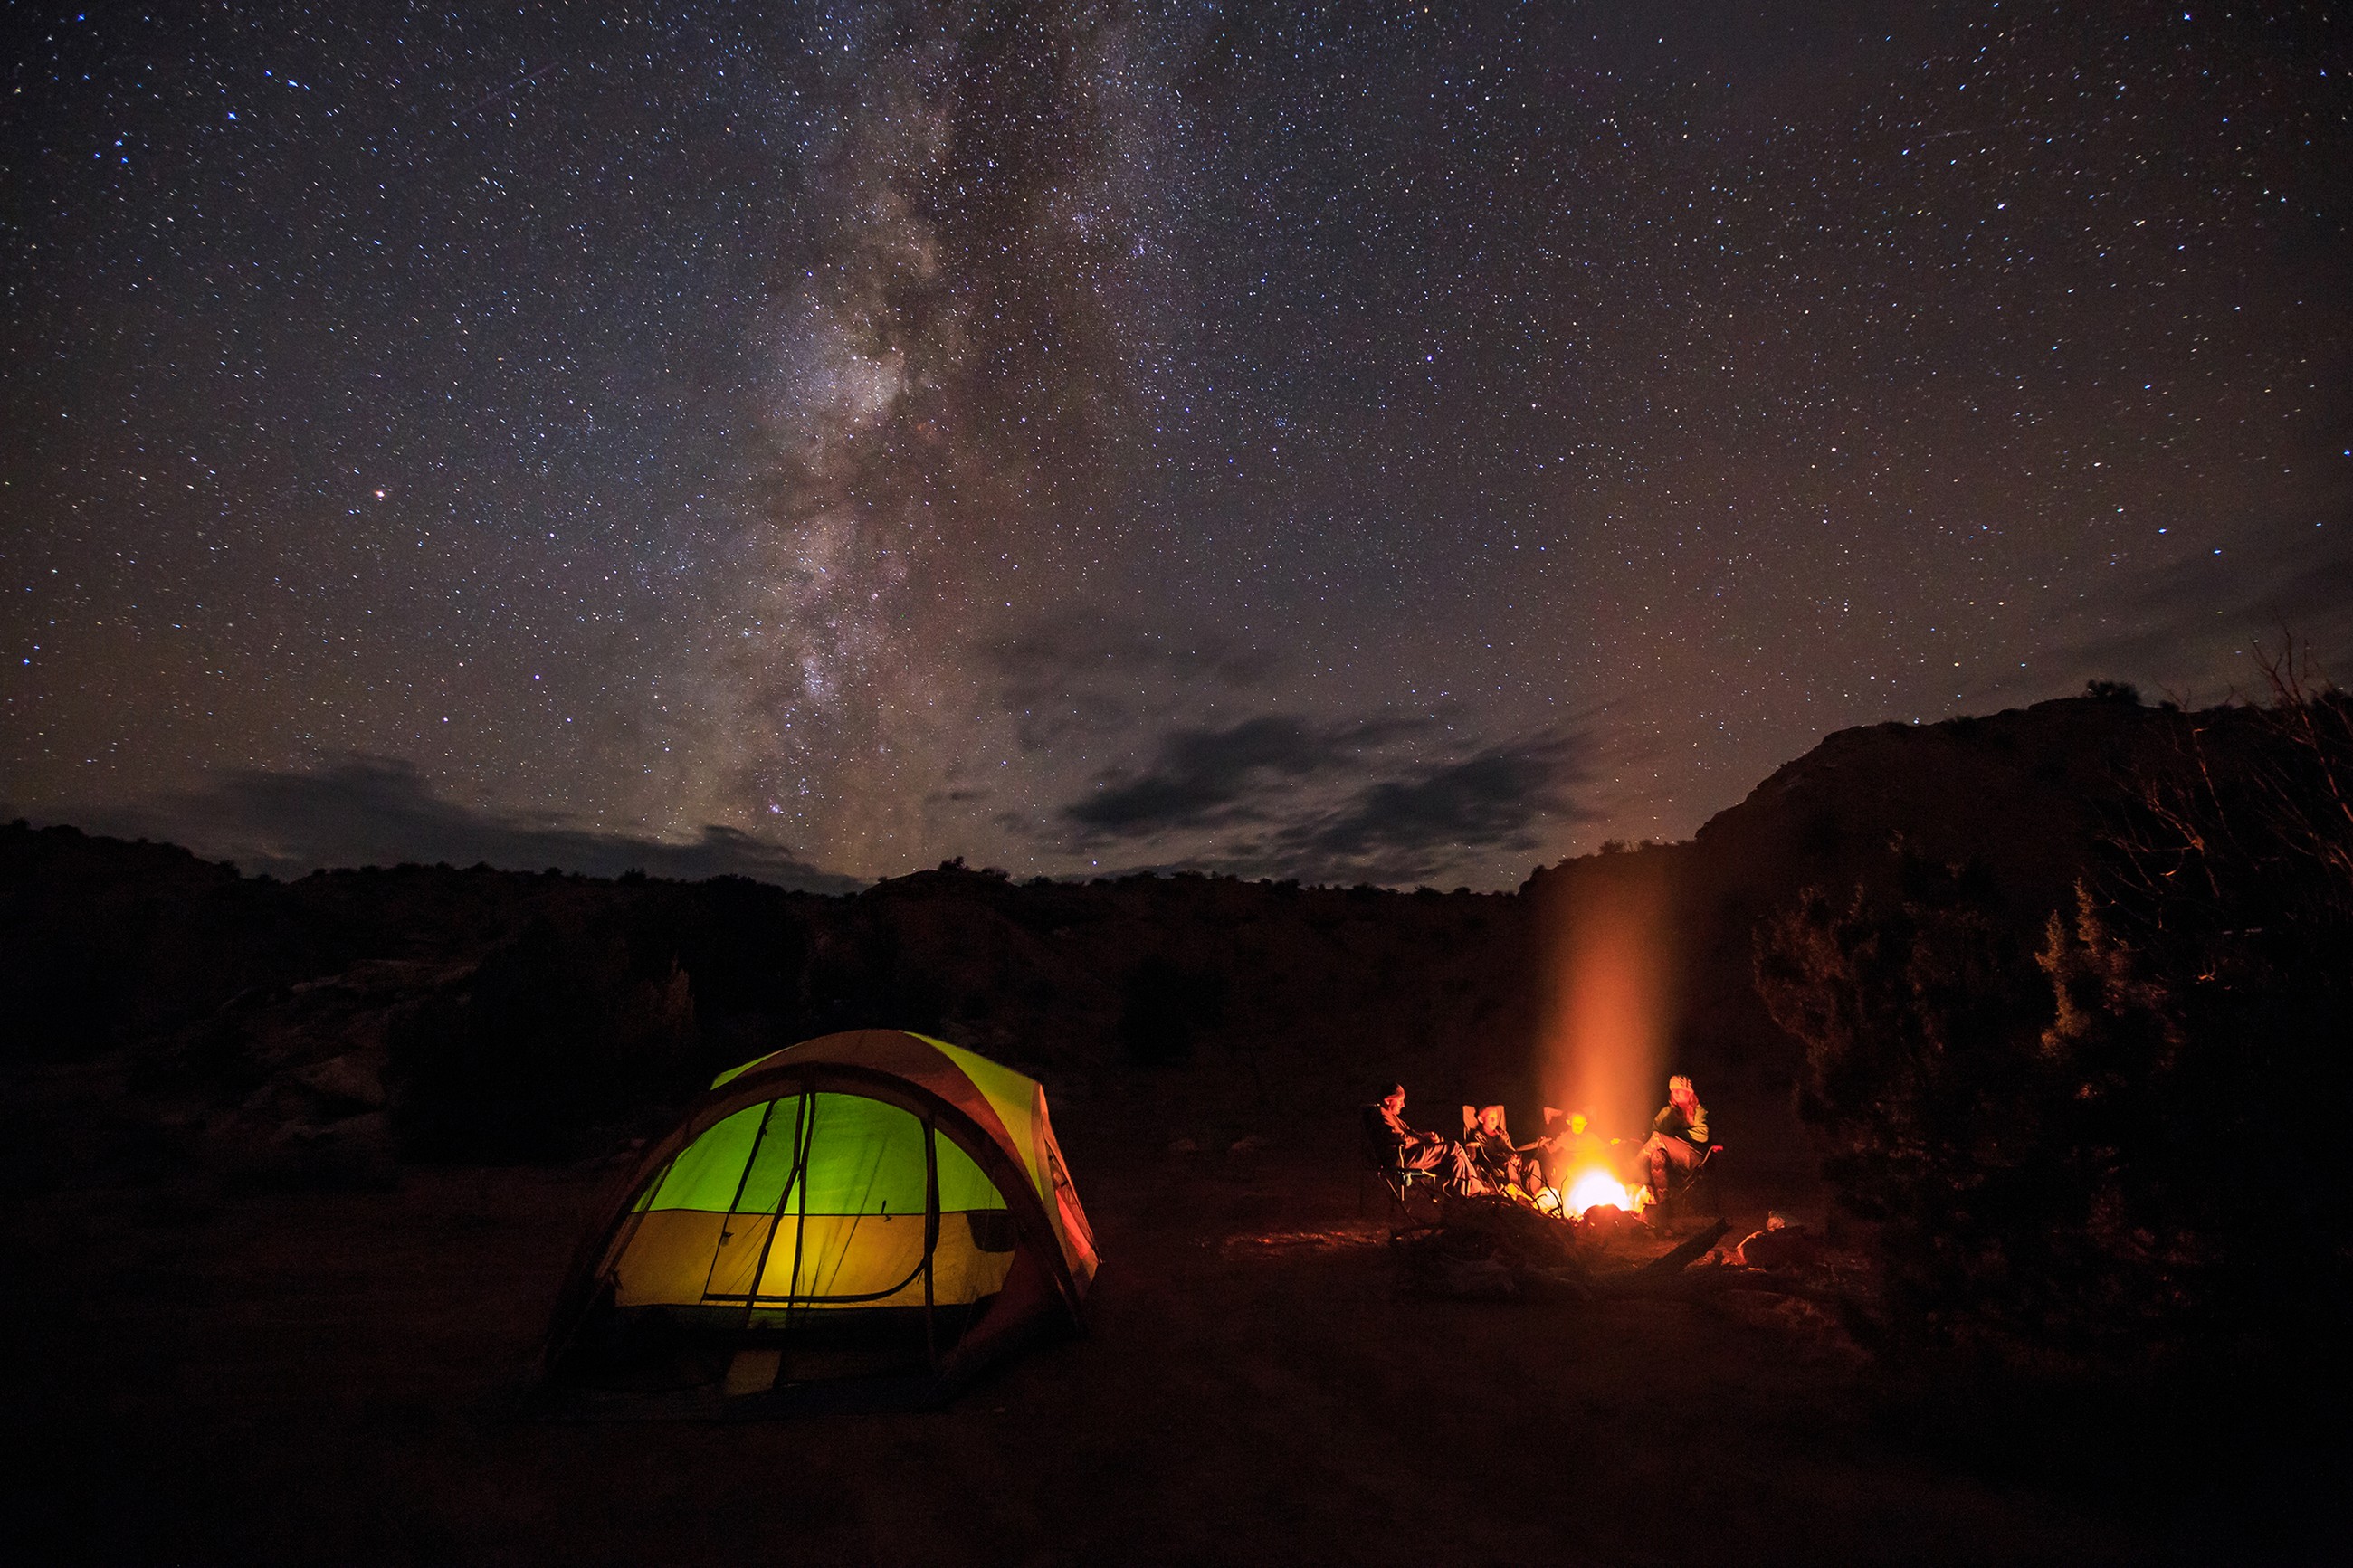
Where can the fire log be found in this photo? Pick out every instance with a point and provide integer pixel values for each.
(1689, 1252)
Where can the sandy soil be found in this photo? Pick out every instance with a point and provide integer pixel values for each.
(322, 1377)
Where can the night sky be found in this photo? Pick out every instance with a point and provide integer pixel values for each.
(1371, 442)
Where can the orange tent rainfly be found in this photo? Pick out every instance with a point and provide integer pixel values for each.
(874, 1207)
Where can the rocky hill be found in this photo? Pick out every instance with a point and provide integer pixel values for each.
(2022, 799)
(321, 1028)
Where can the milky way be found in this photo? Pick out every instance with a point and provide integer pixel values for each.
(960, 333)
(1368, 442)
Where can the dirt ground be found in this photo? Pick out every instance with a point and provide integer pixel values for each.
(324, 1377)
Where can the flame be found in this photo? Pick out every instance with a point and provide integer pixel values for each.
(1598, 1187)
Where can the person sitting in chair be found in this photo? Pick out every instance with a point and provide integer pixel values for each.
(1570, 1144)
(1677, 1146)
(1496, 1156)
(1399, 1147)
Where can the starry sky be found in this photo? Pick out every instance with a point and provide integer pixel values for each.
(1361, 442)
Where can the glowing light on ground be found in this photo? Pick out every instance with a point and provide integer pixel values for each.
(1597, 1186)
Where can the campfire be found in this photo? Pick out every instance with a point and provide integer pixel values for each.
(1597, 1188)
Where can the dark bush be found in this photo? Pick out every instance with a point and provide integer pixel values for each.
(1163, 1007)
(2116, 1149)
(564, 1030)
(1920, 1012)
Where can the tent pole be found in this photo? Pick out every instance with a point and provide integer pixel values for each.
(800, 1215)
(931, 1236)
(793, 1178)
(736, 1202)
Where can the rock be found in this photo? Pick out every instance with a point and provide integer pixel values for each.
(350, 1079)
(355, 1152)
(1606, 1220)
(351, 1130)
(1780, 1247)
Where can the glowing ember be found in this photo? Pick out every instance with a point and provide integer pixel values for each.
(1598, 1187)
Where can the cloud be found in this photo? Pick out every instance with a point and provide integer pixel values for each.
(1280, 794)
(2187, 627)
(1086, 674)
(382, 811)
(2205, 598)
(1491, 801)
(1202, 777)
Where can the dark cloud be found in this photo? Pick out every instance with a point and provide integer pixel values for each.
(1088, 674)
(2298, 584)
(1493, 801)
(1205, 777)
(2185, 626)
(1278, 794)
(382, 811)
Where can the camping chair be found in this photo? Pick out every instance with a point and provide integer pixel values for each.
(1683, 1195)
(1400, 1182)
(1505, 1173)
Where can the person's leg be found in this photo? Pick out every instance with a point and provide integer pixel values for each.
(1646, 1160)
(1672, 1161)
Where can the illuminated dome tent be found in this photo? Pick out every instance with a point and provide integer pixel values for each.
(874, 1202)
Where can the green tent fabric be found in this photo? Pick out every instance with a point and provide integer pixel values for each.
(874, 1157)
(855, 1173)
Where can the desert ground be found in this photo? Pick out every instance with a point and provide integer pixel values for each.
(210, 1375)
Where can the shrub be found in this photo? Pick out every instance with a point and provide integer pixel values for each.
(2116, 1147)
(562, 1030)
(1165, 1007)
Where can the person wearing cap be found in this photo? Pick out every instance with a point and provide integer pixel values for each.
(1402, 1148)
